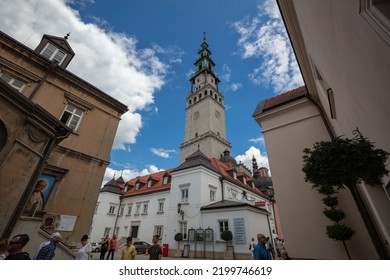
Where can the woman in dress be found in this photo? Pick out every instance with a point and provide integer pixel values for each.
(85, 251)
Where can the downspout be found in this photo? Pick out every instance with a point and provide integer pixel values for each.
(26, 195)
(117, 213)
(50, 69)
(222, 191)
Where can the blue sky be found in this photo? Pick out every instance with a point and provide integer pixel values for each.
(142, 53)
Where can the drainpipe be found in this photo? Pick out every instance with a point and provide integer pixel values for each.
(50, 69)
(223, 195)
(117, 214)
(26, 195)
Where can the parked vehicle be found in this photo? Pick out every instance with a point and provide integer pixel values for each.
(141, 246)
(95, 247)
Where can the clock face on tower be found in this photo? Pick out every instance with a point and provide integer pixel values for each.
(196, 115)
(217, 114)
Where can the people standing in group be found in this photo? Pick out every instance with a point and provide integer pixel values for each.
(270, 248)
(128, 252)
(155, 250)
(260, 252)
(252, 246)
(46, 250)
(112, 247)
(85, 252)
(15, 248)
(3, 248)
(104, 247)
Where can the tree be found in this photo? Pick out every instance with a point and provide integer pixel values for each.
(178, 237)
(227, 235)
(345, 162)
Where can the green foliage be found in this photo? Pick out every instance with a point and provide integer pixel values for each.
(178, 236)
(335, 215)
(330, 201)
(227, 235)
(339, 232)
(344, 161)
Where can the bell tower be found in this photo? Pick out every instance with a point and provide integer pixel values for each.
(205, 127)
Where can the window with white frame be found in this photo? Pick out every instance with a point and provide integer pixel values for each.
(161, 206)
(111, 210)
(53, 53)
(150, 183)
(71, 117)
(145, 209)
(129, 207)
(223, 225)
(165, 180)
(184, 195)
(107, 231)
(158, 230)
(212, 195)
(183, 228)
(137, 209)
(377, 15)
(121, 210)
(12, 81)
(137, 185)
(134, 230)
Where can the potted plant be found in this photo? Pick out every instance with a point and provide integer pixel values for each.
(178, 237)
(227, 236)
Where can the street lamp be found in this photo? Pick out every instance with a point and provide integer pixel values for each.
(180, 211)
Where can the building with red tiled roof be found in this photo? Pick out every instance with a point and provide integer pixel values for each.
(208, 193)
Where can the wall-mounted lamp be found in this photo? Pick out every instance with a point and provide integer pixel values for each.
(180, 211)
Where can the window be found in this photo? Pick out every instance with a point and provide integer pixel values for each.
(150, 183)
(111, 210)
(12, 82)
(71, 117)
(183, 228)
(212, 195)
(160, 206)
(137, 185)
(129, 207)
(138, 209)
(121, 210)
(223, 225)
(107, 231)
(184, 195)
(332, 105)
(165, 180)
(145, 209)
(377, 14)
(134, 231)
(53, 53)
(158, 230)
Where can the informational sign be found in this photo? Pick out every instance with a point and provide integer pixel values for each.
(191, 235)
(200, 234)
(59, 222)
(239, 230)
(209, 235)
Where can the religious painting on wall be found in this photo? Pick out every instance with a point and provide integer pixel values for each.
(41, 193)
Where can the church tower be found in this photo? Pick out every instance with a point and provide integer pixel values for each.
(205, 127)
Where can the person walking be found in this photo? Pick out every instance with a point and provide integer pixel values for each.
(260, 252)
(15, 248)
(128, 252)
(112, 247)
(104, 247)
(46, 250)
(155, 250)
(85, 251)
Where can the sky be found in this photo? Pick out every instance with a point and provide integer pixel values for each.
(142, 53)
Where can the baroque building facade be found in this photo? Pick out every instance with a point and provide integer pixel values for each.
(57, 132)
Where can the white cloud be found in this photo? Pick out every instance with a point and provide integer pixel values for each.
(257, 140)
(109, 60)
(162, 152)
(246, 158)
(235, 86)
(265, 37)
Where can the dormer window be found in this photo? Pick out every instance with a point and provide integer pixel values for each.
(53, 53)
(150, 183)
(137, 185)
(165, 180)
